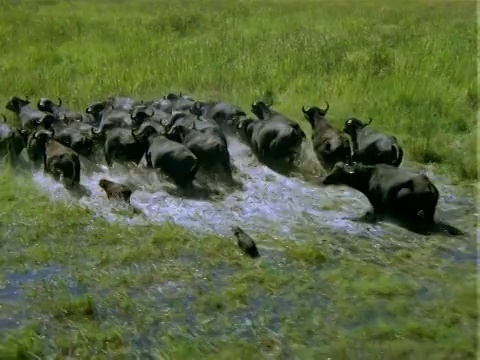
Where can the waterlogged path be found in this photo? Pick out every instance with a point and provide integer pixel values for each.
(269, 203)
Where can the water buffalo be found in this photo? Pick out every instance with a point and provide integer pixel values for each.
(107, 117)
(120, 145)
(220, 112)
(166, 103)
(271, 139)
(180, 102)
(188, 120)
(245, 242)
(12, 140)
(76, 136)
(28, 116)
(142, 113)
(371, 147)
(172, 158)
(115, 190)
(163, 105)
(60, 161)
(209, 147)
(329, 144)
(392, 191)
(62, 114)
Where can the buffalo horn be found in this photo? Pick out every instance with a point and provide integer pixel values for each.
(59, 102)
(328, 107)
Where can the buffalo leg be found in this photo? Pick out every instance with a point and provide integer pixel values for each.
(77, 169)
(148, 158)
(108, 159)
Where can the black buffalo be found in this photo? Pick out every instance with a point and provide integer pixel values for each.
(391, 190)
(371, 147)
(329, 144)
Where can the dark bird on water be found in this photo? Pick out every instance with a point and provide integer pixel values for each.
(245, 242)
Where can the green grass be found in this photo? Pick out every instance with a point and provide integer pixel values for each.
(411, 67)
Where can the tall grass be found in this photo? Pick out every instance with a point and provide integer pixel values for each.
(410, 67)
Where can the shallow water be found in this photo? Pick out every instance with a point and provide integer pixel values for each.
(269, 203)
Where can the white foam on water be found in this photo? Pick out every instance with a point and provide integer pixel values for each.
(270, 203)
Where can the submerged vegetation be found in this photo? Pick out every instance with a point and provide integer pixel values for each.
(74, 284)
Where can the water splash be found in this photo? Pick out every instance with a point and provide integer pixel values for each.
(270, 203)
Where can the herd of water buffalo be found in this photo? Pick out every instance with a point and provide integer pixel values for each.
(178, 136)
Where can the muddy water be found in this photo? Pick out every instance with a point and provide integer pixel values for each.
(270, 203)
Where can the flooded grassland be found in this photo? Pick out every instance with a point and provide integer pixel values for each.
(86, 277)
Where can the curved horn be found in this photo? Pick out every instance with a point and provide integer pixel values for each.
(269, 104)
(171, 122)
(59, 102)
(134, 135)
(305, 110)
(4, 118)
(328, 107)
(95, 131)
(369, 121)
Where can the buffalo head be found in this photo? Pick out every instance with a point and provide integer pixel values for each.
(196, 109)
(42, 135)
(140, 113)
(142, 134)
(48, 105)
(46, 120)
(352, 125)
(15, 103)
(96, 108)
(174, 118)
(177, 132)
(172, 96)
(261, 109)
(311, 112)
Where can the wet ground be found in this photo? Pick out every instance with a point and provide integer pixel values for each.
(270, 205)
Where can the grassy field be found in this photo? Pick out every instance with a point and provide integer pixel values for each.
(410, 67)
